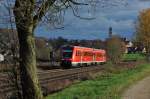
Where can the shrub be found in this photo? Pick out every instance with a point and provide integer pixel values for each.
(115, 49)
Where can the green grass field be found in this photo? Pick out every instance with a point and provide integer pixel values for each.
(130, 57)
(109, 85)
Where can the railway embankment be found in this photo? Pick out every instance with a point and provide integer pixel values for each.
(107, 85)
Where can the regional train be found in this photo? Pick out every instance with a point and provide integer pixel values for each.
(76, 56)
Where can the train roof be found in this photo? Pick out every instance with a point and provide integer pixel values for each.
(81, 47)
(98, 49)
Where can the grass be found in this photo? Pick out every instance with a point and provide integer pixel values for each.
(108, 85)
(131, 57)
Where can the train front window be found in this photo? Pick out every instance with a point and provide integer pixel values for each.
(67, 54)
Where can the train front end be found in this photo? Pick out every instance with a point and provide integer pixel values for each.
(67, 53)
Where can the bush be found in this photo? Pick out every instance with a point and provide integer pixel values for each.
(42, 49)
(115, 49)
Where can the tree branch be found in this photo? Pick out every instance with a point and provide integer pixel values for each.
(77, 3)
(47, 4)
(42, 11)
(85, 18)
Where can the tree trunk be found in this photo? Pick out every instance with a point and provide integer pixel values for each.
(23, 12)
(28, 71)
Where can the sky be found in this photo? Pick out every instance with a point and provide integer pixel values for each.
(121, 18)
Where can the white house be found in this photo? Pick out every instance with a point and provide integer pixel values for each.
(1, 58)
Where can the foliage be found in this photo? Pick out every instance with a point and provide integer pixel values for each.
(106, 86)
(7, 41)
(42, 49)
(143, 29)
(115, 49)
(58, 42)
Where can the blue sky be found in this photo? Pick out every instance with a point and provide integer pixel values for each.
(121, 18)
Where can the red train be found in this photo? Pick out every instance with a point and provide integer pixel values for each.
(81, 56)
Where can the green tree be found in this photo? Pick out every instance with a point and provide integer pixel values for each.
(143, 30)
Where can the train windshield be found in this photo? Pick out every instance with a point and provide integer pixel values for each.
(67, 52)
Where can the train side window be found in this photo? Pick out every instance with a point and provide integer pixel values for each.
(85, 54)
(78, 53)
(99, 55)
(88, 54)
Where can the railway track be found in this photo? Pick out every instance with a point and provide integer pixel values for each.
(50, 79)
(66, 74)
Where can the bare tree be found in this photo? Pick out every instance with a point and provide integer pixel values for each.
(28, 14)
(115, 49)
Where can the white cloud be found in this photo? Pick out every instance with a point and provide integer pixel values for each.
(121, 18)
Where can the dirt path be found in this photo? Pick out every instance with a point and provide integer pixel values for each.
(141, 90)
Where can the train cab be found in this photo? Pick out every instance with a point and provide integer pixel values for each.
(67, 53)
